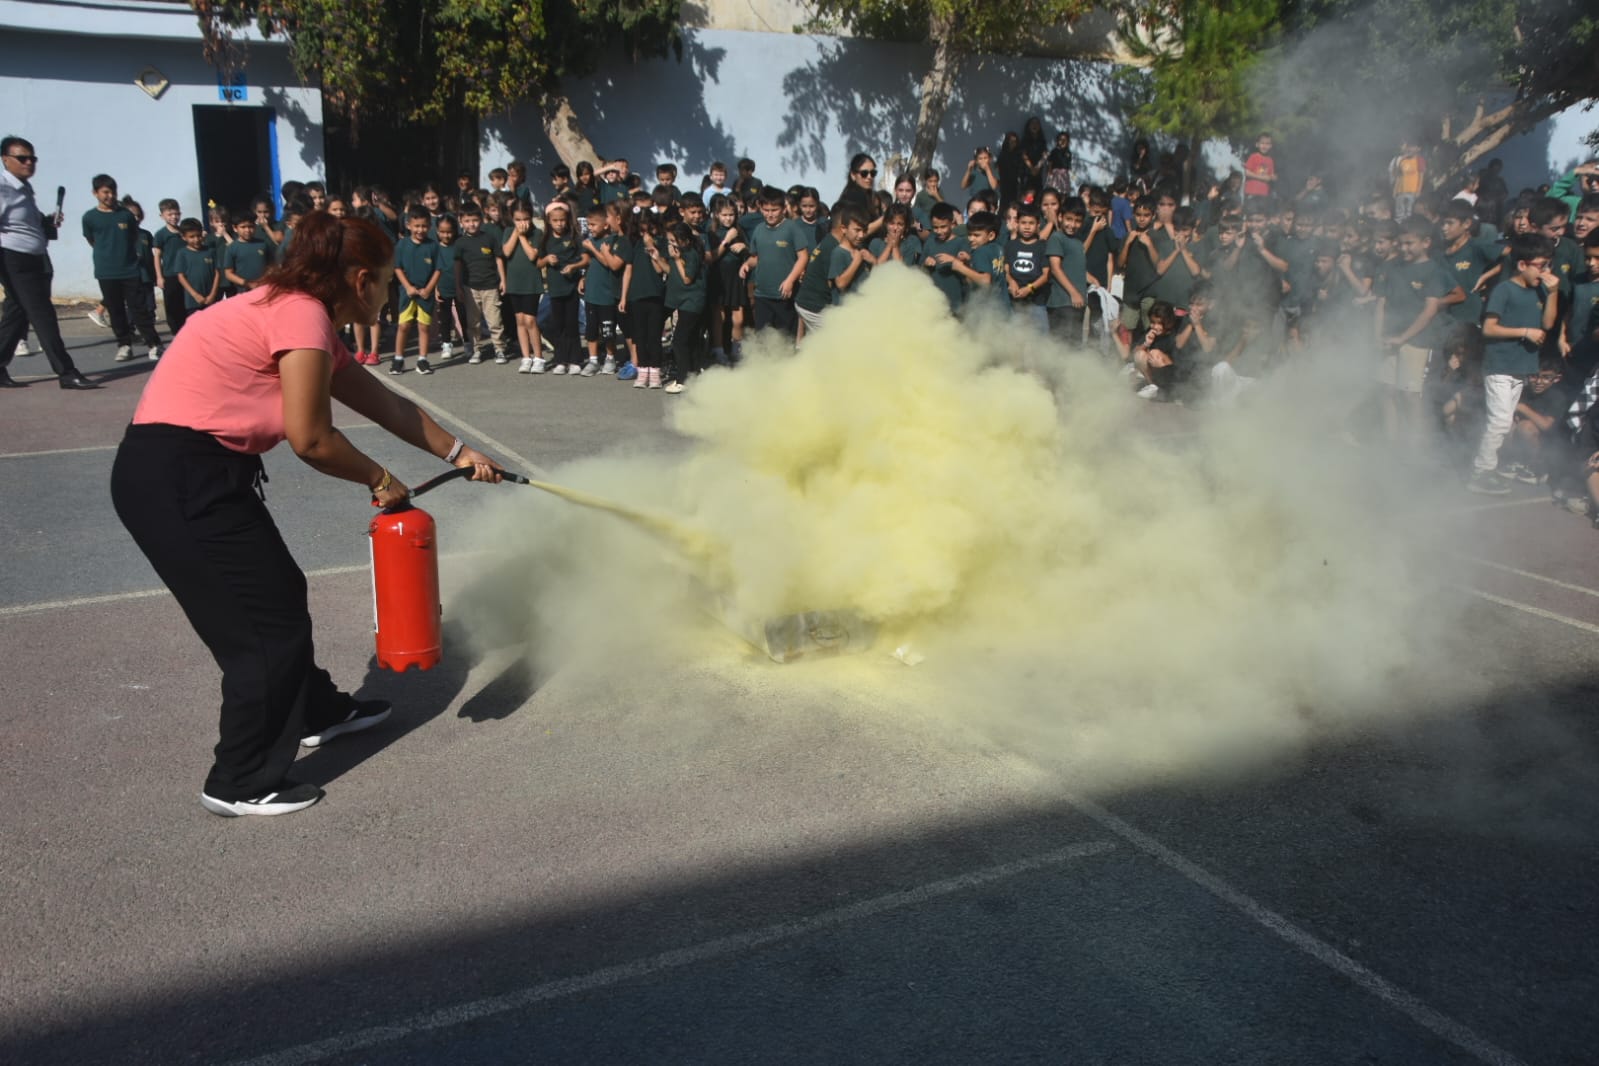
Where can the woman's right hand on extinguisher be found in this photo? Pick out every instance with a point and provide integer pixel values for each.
(483, 468)
(388, 491)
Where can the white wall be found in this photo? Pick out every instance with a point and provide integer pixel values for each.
(74, 97)
(800, 106)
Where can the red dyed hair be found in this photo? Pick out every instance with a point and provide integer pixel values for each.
(324, 251)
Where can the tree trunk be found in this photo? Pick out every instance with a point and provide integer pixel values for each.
(565, 132)
(937, 86)
(1485, 132)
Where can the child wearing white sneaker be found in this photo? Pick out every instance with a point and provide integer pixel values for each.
(416, 269)
(447, 229)
(563, 259)
(600, 283)
(644, 296)
(523, 286)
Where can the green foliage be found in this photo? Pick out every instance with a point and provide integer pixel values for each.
(974, 25)
(1201, 60)
(428, 59)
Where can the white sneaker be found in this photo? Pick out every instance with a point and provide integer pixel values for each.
(642, 381)
(154, 353)
(590, 368)
(292, 798)
(558, 368)
(525, 368)
(610, 365)
(538, 365)
(675, 387)
(475, 358)
(22, 348)
(1149, 392)
(446, 350)
(99, 319)
(500, 356)
(124, 353)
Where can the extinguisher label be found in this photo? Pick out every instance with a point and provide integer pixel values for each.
(372, 557)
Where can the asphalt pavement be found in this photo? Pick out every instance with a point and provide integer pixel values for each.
(720, 860)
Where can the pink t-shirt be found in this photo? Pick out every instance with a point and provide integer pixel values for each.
(220, 375)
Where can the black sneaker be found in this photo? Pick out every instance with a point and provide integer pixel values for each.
(397, 367)
(422, 367)
(365, 715)
(286, 800)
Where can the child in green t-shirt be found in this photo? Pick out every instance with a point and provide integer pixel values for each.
(1066, 306)
(113, 233)
(983, 266)
(245, 261)
(197, 267)
(416, 269)
(1520, 314)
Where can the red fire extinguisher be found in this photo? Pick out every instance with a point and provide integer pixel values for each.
(405, 582)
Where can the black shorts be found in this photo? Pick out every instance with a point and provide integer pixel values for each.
(522, 303)
(777, 313)
(594, 317)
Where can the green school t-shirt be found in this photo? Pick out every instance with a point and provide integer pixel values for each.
(1465, 266)
(1584, 311)
(686, 295)
(1408, 287)
(645, 283)
(778, 247)
(445, 261)
(603, 282)
(522, 278)
(146, 245)
(167, 242)
(567, 251)
(199, 268)
(1069, 250)
(910, 249)
(248, 259)
(812, 292)
(1097, 253)
(951, 284)
(115, 235)
(839, 260)
(479, 254)
(1140, 272)
(417, 262)
(1175, 286)
(990, 260)
(1514, 307)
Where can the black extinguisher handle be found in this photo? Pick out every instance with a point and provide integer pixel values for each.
(453, 474)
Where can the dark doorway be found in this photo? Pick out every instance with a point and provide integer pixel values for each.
(237, 155)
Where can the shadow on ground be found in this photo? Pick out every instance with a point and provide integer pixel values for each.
(1455, 857)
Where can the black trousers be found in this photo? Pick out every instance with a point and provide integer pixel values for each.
(687, 350)
(779, 313)
(649, 318)
(125, 299)
(565, 332)
(27, 282)
(1066, 323)
(172, 302)
(194, 510)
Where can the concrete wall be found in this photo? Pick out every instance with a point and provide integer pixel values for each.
(73, 95)
(800, 106)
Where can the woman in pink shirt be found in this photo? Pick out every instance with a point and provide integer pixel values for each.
(243, 375)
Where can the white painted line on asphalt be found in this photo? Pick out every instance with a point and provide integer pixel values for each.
(1490, 564)
(114, 447)
(145, 594)
(1324, 953)
(1537, 612)
(528, 466)
(740, 943)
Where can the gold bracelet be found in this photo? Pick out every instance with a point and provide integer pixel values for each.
(388, 479)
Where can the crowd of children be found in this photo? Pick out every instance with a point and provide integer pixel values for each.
(1475, 314)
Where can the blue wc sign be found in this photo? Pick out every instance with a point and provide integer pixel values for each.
(232, 88)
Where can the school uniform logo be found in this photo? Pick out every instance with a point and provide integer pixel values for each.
(485, 250)
(1417, 285)
(782, 244)
(1463, 265)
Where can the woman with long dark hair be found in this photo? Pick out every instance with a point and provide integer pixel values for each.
(241, 377)
(1035, 150)
(1010, 169)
